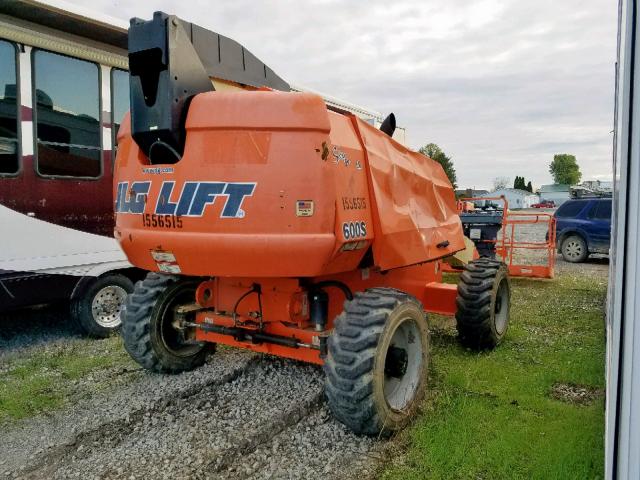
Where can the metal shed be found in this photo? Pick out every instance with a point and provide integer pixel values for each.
(623, 329)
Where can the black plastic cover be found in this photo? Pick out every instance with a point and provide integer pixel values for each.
(171, 61)
(165, 74)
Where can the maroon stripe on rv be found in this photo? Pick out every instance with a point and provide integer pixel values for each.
(107, 162)
(26, 114)
(81, 204)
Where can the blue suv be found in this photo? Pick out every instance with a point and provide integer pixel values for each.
(583, 227)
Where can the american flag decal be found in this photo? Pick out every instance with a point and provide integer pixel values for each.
(304, 208)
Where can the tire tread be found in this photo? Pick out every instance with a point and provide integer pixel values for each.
(351, 353)
(136, 327)
(474, 303)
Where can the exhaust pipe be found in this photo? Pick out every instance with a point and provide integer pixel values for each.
(389, 125)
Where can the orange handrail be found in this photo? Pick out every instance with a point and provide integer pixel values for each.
(506, 246)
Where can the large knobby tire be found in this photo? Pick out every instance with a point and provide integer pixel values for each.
(377, 361)
(97, 310)
(483, 304)
(574, 249)
(149, 336)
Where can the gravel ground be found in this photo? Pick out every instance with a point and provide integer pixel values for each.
(30, 329)
(241, 415)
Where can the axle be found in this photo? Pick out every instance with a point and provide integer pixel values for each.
(249, 335)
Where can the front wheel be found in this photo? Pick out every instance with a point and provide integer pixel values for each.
(377, 362)
(149, 330)
(483, 304)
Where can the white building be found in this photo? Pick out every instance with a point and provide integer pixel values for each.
(515, 197)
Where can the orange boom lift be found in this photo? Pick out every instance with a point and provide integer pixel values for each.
(271, 223)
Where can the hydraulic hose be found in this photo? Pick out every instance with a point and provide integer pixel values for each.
(333, 283)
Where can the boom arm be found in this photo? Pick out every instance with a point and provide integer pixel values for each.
(171, 61)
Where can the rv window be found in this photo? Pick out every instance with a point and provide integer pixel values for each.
(120, 100)
(8, 109)
(67, 116)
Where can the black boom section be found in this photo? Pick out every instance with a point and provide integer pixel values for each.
(165, 73)
(171, 61)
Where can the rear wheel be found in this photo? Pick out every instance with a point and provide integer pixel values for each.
(377, 361)
(148, 327)
(574, 249)
(483, 303)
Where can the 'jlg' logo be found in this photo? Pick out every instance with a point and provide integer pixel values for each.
(192, 201)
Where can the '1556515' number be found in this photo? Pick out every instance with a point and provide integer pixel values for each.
(161, 221)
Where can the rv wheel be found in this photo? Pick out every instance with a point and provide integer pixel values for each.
(98, 308)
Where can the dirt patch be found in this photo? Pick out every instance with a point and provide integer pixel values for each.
(576, 394)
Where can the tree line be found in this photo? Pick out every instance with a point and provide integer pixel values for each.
(520, 184)
(564, 169)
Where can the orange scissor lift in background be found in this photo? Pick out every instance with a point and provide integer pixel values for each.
(500, 234)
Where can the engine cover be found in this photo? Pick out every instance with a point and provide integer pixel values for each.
(273, 184)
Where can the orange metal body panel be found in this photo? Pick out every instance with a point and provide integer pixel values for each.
(303, 354)
(282, 300)
(412, 279)
(285, 312)
(414, 203)
(306, 336)
(293, 150)
(321, 188)
(440, 298)
(285, 306)
(280, 154)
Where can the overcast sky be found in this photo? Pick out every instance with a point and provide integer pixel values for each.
(500, 85)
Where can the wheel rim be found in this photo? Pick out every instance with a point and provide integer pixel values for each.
(169, 335)
(501, 307)
(573, 249)
(106, 306)
(403, 365)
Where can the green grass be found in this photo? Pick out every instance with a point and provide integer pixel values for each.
(491, 416)
(45, 380)
(488, 415)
